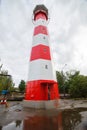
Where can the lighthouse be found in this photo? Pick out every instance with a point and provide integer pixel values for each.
(41, 87)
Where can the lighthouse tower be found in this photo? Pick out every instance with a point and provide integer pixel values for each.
(41, 87)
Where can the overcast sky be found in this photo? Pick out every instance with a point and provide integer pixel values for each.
(67, 29)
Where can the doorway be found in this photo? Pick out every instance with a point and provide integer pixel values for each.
(46, 90)
(48, 87)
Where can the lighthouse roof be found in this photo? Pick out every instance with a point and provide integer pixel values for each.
(40, 8)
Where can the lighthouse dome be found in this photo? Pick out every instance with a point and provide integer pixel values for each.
(40, 8)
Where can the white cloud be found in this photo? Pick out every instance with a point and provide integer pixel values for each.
(67, 29)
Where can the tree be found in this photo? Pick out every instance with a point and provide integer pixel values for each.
(61, 78)
(78, 87)
(77, 84)
(73, 83)
(22, 86)
(6, 82)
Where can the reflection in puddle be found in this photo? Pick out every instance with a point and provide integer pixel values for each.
(71, 119)
(17, 125)
(43, 123)
(0, 127)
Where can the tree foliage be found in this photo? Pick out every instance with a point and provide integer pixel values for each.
(22, 86)
(6, 82)
(61, 80)
(78, 86)
(72, 82)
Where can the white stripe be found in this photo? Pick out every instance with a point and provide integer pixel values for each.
(40, 22)
(40, 39)
(41, 69)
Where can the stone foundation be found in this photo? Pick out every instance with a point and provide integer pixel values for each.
(50, 104)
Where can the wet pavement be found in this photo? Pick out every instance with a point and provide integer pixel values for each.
(71, 115)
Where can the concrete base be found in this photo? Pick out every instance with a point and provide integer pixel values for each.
(50, 104)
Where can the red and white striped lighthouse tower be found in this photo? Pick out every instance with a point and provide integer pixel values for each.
(41, 87)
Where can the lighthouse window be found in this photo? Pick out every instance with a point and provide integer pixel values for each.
(45, 50)
(43, 28)
(42, 14)
(43, 37)
(46, 66)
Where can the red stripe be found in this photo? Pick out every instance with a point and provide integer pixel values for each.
(40, 29)
(41, 15)
(38, 90)
(40, 52)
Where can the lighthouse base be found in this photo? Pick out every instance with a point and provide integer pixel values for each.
(50, 104)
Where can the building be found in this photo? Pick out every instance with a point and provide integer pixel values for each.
(42, 87)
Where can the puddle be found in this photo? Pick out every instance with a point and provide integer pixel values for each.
(68, 119)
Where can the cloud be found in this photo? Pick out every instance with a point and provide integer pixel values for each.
(67, 29)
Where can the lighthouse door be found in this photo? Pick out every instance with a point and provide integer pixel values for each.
(46, 91)
(48, 87)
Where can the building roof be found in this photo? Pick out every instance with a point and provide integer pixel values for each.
(40, 8)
